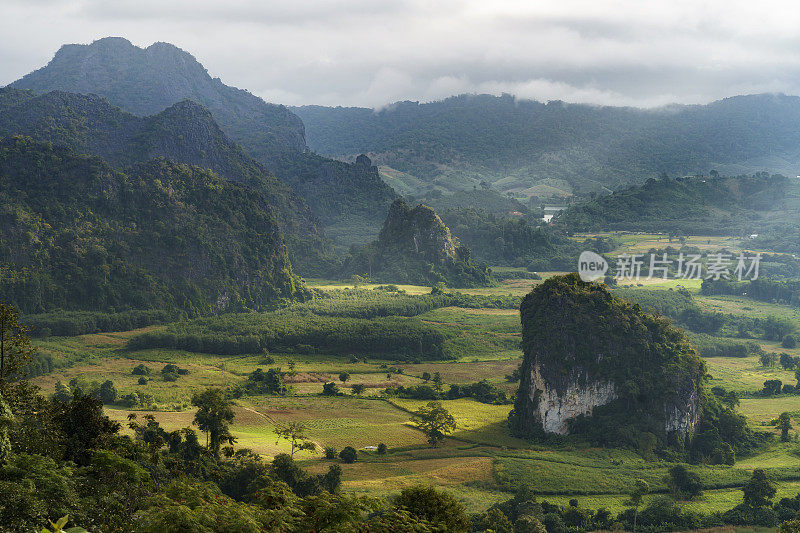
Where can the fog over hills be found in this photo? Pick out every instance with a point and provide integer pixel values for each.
(557, 148)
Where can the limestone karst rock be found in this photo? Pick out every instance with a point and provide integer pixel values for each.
(598, 365)
(417, 231)
(415, 246)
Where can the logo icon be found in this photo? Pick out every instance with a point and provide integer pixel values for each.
(591, 266)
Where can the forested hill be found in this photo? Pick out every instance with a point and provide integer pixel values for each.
(694, 205)
(77, 234)
(557, 148)
(145, 81)
(184, 132)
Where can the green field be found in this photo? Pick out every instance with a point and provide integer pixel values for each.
(480, 463)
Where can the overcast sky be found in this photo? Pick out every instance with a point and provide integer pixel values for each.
(370, 53)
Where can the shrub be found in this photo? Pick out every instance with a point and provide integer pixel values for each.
(170, 376)
(381, 449)
(142, 381)
(436, 506)
(330, 452)
(140, 370)
(330, 389)
(348, 454)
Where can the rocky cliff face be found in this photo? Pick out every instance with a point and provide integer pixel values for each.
(578, 395)
(598, 365)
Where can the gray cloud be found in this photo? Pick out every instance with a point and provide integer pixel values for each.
(370, 53)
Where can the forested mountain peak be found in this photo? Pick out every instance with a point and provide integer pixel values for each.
(598, 365)
(415, 246)
(145, 81)
(185, 132)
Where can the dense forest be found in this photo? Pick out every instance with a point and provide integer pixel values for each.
(184, 133)
(146, 81)
(700, 205)
(77, 234)
(558, 148)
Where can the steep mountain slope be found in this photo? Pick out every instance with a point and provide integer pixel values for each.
(184, 132)
(598, 365)
(146, 81)
(76, 234)
(415, 246)
(540, 149)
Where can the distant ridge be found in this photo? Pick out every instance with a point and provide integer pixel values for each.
(558, 149)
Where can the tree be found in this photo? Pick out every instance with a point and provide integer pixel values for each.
(108, 392)
(358, 389)
(730, 399)
(62, 394)
(213, 416)
(85, 426)
(797, 376)
(381, 449)
(772, 387)
(784, 424)
(683, 484)
(330, 389)
(344, 376)
(637, 493)
(294, 432)
(426, 376)
(787, 361)
(496, 521)
(6, 420)
(759, 490)
(348, 454)
(437, 381)
(434, 421)
(436, 506)
(789, 341)
(16, 351)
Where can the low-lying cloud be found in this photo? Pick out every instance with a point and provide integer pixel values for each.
(371, 53)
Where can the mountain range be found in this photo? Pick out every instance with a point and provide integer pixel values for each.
(146, 81)
(556, 149)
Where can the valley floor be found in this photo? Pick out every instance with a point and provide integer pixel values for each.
(480, 463)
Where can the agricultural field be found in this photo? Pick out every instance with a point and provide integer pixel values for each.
(480, 463)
